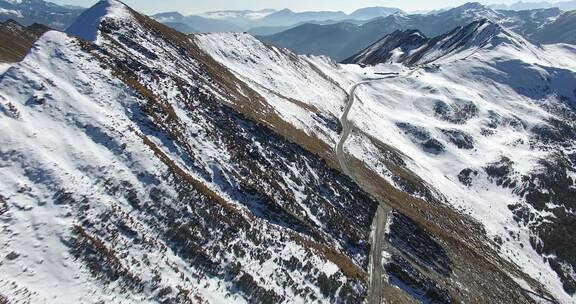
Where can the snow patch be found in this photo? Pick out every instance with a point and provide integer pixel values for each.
(14, 13)
(87, 26)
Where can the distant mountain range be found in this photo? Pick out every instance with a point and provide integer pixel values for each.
(519, 6)
(342, 40)
(27, 12)
(267, 21)
(263, 22)
(192, 24)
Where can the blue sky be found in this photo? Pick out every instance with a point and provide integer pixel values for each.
(199, 6)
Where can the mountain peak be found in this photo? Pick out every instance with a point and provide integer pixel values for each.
(391, 48)
(285, 11)
(374, 12)
(413, 48)
(471, 5)
(87, 26)
(474, 9)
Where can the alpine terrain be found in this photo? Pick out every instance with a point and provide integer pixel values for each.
(28, 12)
(343, 39)
(140, 164)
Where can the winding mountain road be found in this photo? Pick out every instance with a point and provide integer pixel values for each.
(380, 218)
(375, 268)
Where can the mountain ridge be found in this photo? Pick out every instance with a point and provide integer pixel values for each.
(157, 166)
(414, 45)
(272, 19)
(354, 40)
(16, 40)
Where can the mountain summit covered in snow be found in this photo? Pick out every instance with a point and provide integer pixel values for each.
(142, 164)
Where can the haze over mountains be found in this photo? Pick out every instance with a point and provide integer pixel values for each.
(521, 6)
(259, 21)
(140, 164)
(27, 12)
(342, 40)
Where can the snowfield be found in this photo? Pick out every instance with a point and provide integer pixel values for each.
(296, 88)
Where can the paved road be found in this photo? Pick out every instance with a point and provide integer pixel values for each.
(346, 126)
(375, 264)
(379, 221)
(377, 241)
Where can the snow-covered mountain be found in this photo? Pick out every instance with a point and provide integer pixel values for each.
(561, 30)
(150, 183)
(140, 164)
(268, 20)
(528, 22)
(479, 119)
(28, 12)
(342, 40)
(488, 119)
(412, 48)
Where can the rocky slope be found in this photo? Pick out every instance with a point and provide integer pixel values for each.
(140, 164)
(343, 40)
(130, 167)
(16, 40)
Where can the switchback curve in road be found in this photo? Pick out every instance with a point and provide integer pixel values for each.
(380, 218)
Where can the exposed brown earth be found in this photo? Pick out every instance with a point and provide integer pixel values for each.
(16, 40)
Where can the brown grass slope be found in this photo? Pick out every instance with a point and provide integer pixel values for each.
(16, 40)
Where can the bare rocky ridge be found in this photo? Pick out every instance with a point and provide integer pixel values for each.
(413, 48)
(16, 40)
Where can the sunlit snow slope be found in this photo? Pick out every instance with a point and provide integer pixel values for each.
(129, 172)
(483, 117)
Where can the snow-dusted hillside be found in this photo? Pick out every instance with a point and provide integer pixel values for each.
(139, 164)
(480, 115)
(126, 176)
(487, 120)
(299, 92)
